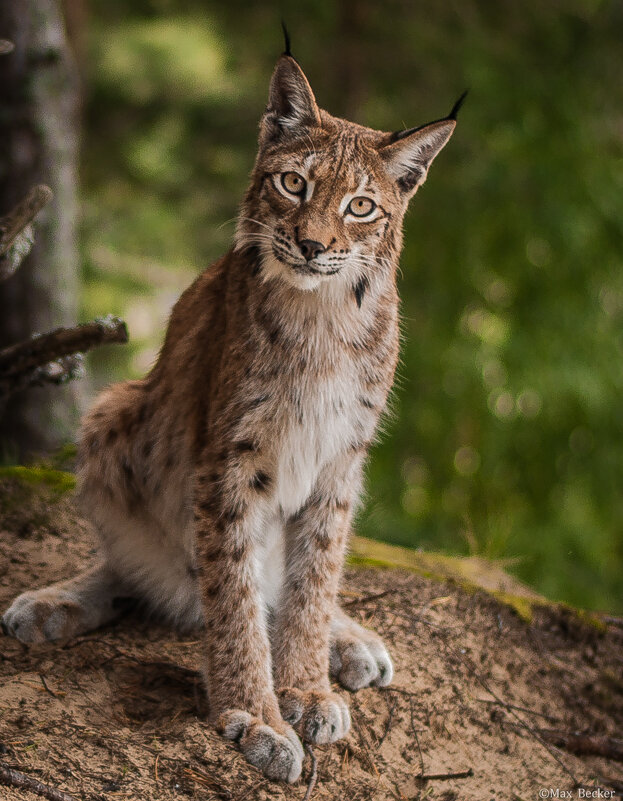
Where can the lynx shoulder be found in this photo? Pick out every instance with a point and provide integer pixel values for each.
(222, 485)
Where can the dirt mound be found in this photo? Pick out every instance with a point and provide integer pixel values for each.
(482, 707)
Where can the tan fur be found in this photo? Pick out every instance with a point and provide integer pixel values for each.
(222, 485)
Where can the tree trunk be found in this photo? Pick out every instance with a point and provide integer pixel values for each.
(39, 93)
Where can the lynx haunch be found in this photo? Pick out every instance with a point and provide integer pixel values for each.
(222, 485)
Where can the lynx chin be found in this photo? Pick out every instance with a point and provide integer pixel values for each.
(222, 485)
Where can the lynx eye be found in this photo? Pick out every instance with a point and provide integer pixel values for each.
(293, 183)
(361, 207)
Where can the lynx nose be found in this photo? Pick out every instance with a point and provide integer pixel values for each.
(311, 249)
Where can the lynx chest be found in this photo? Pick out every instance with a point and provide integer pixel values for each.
(320, 421)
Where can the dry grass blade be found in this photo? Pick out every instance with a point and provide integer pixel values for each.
(431, 777)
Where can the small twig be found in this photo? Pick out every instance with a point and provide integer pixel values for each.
(388, 725)
(45, 684)
(401, 691)
(431, 777)
(500, 702)
(365, 598)
(23, 214)
(13, 778)
(415, 735)
(313, 778)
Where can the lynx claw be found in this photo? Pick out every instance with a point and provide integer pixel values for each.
(278, 756)
(319, 717)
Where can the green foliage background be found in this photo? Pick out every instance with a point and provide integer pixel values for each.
(506, 432)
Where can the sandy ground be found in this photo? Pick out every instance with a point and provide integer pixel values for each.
(120, 713)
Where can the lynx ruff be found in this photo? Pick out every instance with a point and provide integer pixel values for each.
(222, 485)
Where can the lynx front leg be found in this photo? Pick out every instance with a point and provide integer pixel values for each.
(315, 553)
(237, 660)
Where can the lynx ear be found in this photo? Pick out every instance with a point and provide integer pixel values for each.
(409, 154)
(291, 103)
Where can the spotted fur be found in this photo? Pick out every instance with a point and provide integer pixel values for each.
(222, 485)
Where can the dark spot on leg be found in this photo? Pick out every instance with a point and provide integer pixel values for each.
(238, 553)
(245, 446)
(253, 404)
(208, 505)
(322, 541)
(212, 553)
(261, 481)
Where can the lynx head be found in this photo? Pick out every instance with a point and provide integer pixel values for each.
(327, 197)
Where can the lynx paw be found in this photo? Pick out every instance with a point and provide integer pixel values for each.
(41, 616)
(278, 756)
(319, 717)
(360, 660)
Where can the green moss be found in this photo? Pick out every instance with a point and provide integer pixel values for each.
(471, 574)
(58, 481)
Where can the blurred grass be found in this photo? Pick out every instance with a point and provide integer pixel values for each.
(506, 426)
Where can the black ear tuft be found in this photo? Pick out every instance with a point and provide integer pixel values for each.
(457, 106)
(286, 38)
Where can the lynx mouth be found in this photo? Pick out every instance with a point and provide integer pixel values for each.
(306, 268)
(309, 269)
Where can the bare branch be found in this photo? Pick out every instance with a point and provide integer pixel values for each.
(45, 348)
(58, 372)
(56, 357)
(24, 213)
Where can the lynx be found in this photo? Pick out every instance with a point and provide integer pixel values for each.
(222, 485)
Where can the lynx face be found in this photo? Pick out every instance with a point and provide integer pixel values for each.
(327, 197)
